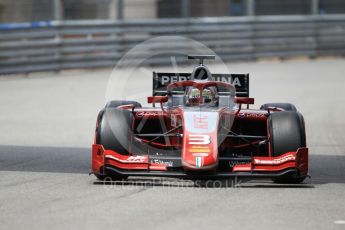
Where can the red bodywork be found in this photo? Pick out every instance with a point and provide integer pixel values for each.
(199, 146)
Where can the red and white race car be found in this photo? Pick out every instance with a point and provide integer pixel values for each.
(202, 129)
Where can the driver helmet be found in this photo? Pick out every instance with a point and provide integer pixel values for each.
(209, 96)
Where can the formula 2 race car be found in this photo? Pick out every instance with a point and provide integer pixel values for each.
(202, 129)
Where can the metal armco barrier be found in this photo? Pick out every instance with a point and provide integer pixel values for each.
(57, 45)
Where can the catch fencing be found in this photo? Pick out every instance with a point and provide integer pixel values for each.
(57, 45)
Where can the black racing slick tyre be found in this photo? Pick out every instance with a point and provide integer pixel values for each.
(285, 106)
(115, 104)
(126, 116)
(287, 134)
(115, 130)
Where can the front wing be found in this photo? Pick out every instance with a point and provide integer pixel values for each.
(105, 161)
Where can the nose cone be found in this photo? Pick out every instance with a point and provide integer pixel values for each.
(200, 144)
(199, 157)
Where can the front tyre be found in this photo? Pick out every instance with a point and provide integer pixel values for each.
(287, 134)
(114, 132)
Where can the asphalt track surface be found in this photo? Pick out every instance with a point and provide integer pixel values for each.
(46, 130)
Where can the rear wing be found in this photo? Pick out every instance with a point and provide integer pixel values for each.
(162, 80)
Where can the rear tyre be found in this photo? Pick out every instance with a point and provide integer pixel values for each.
(285, 106)
(287, 134)
(115, 104)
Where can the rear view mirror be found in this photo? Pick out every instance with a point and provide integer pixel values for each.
(157, 99)
(244, 100)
